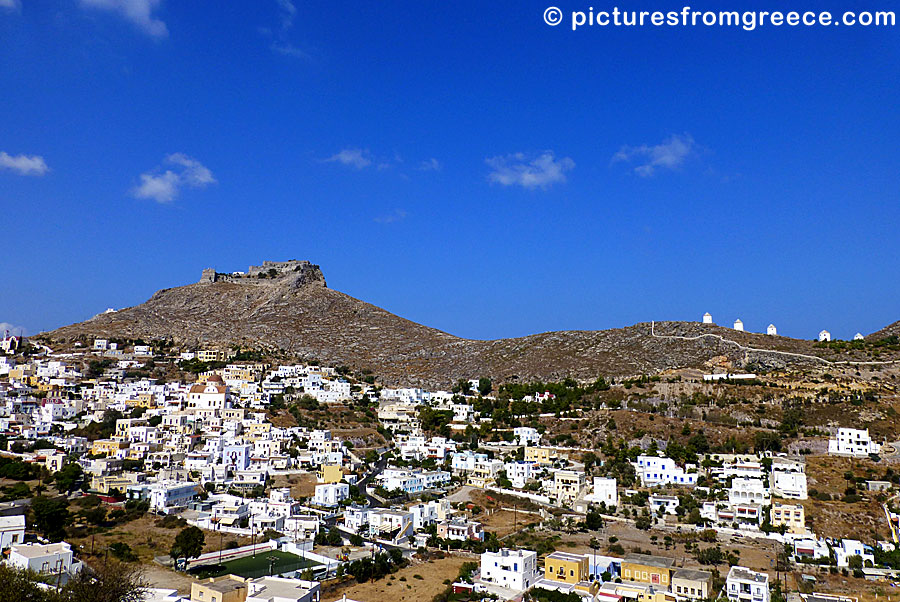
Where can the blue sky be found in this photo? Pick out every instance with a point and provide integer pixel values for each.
(461, 164)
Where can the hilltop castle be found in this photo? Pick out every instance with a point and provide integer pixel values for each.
(301, 272)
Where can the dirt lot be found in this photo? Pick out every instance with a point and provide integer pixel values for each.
(302, 485)
(504, 522)
(160, 576)
(147, 540)
(402, 586)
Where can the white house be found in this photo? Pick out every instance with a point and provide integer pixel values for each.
(744, 585)
(168, 497)
(851, 547)
(810, 547)
(788, 479)
(330, 495)
(281, 589)
(511, 569)
(666, 503)
(824, 336)
(465, 461)
(526, 435)
(210, 396)
(51, 558)
(771, 330)
(738, 325)
(407, 481)
(707, 318)
(429, 513)
(748, 491)
(604, 492)
(858, 337)
(656, 470)
(12, 531)
(519, 473)
(852, 442)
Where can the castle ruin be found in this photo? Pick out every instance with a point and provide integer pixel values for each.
(299, 272)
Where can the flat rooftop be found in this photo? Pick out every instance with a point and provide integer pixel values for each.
(661, 562)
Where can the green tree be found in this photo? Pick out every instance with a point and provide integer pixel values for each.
(485, 386)
(109, 582)
(188, 543)
(22, 586)
(50, 515)
(767, 441)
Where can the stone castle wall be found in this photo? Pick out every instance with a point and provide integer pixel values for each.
(301, 272)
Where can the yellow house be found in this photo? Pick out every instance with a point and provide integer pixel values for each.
(541, 455)
(257, 429)
(330, 473)
(568, 568)
(22, 373)
(103, 484)
(691, 584)
(791, 516)
(146, 400)
(212, 355)
(640, 592)
(229, 588)
(233, 414)
(645, 568)
(107, 447)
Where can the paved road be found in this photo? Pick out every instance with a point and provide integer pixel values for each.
(379, 468)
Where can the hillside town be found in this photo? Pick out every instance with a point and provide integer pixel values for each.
(230, 477)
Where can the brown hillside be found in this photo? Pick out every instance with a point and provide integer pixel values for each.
(294, 311)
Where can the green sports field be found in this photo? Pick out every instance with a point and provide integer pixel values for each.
(255, 566)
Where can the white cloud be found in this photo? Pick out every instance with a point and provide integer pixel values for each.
(166, 186)
(195, 173)
(431, 164)
(13, 5)
(23, 164)
(518, 170)
(395, 216)
(670, 154)
(15, 331)
(139, 12)
(288, 12)
(354, 157)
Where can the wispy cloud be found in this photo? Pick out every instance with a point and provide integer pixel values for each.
(16, 331)
(288, 49)
(11, 5)
(165, 186)
(670, 154)
(288, 13)
(519, 170)
(139, 12)
(354, 157)
(431, 164)
(394, 216)
(24, 165)
(280, 36)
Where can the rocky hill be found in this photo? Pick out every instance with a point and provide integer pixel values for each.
(287, 306)
(891, 330)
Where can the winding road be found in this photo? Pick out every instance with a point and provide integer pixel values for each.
(757, 350)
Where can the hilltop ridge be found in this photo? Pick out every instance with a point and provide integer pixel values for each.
(287, 306)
